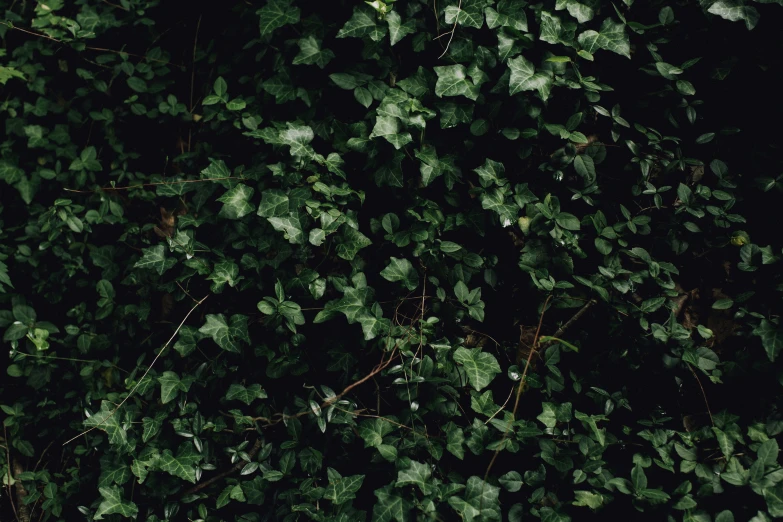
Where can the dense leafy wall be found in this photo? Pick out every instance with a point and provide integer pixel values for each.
(417, 260)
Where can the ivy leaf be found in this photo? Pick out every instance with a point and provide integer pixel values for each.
(352, 242)
(343, 489)
(154, 258)
(107, 419)
(492, 172)
(453, 81)
(274, 203)
(390, 507)
(224, 272)
(401, 270)
(467, 13)
(768, 452)
(771, 338)
(236, 204)
(583, 13)
(170, 386)
(275, 14)
(362, 23)
(113, 503)
(612, 37)
(290, 226)
(480, 500)
(398, 29)
(734, 10)
(183, 465)
(310, 52)
(298, 137)
(480, 367)
(227, 337)
(373, 431)
(247, 395)
(417, 474)
(524, 78)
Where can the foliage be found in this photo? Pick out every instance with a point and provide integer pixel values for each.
(391, 260)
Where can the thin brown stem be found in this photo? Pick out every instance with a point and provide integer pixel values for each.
(138, 383)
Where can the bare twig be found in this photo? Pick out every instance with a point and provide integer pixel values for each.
(138, 383)
(141, 185)
(453, 30)
(10, 475)
(703, 394)
(233, 469)
(100, 49)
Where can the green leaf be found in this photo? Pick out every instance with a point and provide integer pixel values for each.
(274, 203)
(170, 386)
(390, 507)
(480, 367)
(183, 465)
(154, 258)
(276, 14)
(343, 489)
(524, 78)
(734, 10)
(310, 52)
(480, 499)
(612, 37)
(137, 84)
(453, 81)
(588, 498)
(226, 336)
(107, 419)
(639, 478)
(247, 395)
(373, 431)
(401, 270)
(722, 304)
(417, 474)
(397, 29)
(768, 452)
(113, 503)
(771, 338)
(351, 242)
(362, 23)
(290, 226)
(466, 13)
(567, 221)
(235, 202)
(725, 443)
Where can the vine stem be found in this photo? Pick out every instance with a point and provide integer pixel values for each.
(138, 383)
(534, 349)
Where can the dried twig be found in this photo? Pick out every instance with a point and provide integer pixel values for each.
(138, 383)
(141, 185)
(453, 30)
(703, 393)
